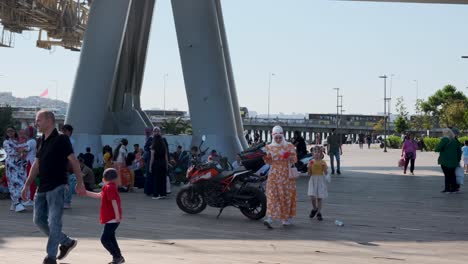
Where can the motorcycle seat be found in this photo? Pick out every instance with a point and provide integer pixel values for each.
(223, 175)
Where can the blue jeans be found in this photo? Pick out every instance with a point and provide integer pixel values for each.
(332, 161)
(71, 189)
(48, 211)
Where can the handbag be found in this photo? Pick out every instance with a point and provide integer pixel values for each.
(293, 173)
(460, 174)
(401, 163)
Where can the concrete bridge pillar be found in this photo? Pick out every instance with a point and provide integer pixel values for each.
(207, 74)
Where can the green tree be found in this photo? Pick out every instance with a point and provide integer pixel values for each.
(6, 120)
(176, 126)
(447, 107)
(455, 114)
(421, 120)
(401, 122)
(379, 127)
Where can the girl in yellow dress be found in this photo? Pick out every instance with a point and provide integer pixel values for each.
(317, 169)
(280, 190)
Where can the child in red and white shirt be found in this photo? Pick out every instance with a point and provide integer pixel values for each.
(110, 213)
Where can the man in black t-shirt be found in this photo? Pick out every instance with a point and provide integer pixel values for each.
(53, 159)
(88, 158)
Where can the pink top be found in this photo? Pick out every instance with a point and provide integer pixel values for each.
(410, 146)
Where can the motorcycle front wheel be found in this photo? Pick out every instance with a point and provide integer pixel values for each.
(255, 207)
(190, 201)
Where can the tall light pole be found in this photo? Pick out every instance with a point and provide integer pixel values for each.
(417, 89)
(390, 96)
(164, 94)
(269, 91)
(340, 117)
(385, 110)
(337, 105)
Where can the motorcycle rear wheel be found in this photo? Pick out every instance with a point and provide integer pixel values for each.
(257, 206)
(190, 201)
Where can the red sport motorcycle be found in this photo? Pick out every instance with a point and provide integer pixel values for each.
(213, 184)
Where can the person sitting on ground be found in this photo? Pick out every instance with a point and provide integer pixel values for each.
(177, 155)
(237, 163)
(214, 157)
(194, 156)
(88, 174)
(107, 157)
(128, 174)
(88, 158)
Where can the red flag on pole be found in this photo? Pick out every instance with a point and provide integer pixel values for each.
(45, 93)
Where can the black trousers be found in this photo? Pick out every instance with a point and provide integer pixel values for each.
(450, 179)
(159, 180)
(109, 241)
(407, 161)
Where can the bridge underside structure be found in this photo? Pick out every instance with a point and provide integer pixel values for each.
(106, 94)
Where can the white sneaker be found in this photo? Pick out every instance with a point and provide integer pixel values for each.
(156, 198)
(19, 208)
(29, 203)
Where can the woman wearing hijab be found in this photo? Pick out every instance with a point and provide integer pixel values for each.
(449, 159)
(281, 189)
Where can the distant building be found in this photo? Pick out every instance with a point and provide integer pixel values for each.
(157, 117)
(26, 116)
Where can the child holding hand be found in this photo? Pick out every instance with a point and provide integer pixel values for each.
(110, 213)
(317, 169)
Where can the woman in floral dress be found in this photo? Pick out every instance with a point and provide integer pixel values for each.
(281, 189)
(15, 169)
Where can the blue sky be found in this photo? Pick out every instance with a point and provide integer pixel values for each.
(311, 45)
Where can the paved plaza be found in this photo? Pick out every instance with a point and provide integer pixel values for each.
(388, 218)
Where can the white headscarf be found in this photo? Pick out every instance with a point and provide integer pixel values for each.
(278, 131)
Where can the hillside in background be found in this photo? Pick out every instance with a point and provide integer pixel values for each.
(7, 98)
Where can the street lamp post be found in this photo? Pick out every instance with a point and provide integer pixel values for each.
(164, 94)
(417, 89)
(269, 91)
(337, 105)
(385, 110)
(390, 96)
(340, 117)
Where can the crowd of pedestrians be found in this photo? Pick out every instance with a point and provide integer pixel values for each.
(55, 173)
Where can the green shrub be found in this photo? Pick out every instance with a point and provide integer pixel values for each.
(98, 174)
(431, 143)
(463, 139)
(394, 142)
